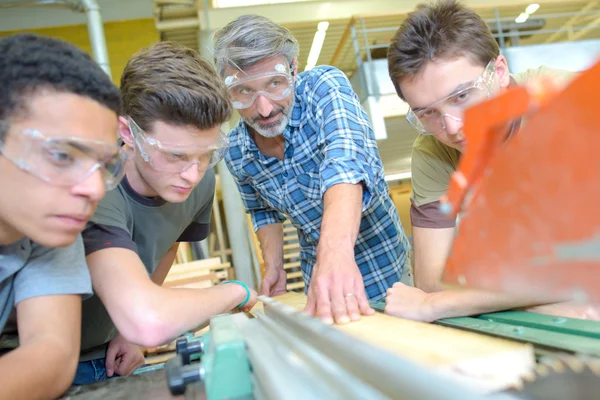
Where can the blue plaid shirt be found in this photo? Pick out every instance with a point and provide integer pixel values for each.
(329, 140)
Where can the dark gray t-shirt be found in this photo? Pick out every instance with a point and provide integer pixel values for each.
(28, 270)
(148, 226)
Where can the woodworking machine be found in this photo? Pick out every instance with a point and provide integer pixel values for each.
(283, 354)
(529, 222)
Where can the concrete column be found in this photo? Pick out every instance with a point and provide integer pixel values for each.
(243, 254)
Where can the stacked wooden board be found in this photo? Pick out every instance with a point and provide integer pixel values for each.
(198, 274)
(291, 255)
(479, 361)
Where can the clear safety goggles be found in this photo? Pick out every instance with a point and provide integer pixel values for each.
(244, 89)
(64, 161)
(176, 158)
(431, 120)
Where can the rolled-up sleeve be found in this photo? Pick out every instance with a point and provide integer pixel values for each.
(345, 133)
(260, 213)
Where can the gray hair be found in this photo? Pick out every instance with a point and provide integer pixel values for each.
(250, 39)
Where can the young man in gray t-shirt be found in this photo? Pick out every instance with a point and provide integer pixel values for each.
(174, 104)
(58, 156)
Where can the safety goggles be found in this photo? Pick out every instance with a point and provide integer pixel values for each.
(431, 120)
(244, 89)
(176, 158)
(64, 161)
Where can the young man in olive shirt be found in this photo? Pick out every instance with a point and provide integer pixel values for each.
(442, 60)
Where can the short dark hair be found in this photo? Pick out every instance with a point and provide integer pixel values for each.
(443, 29)
(30, 63)
(171, 83)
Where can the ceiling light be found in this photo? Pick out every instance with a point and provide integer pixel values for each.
(323, 26)
(317, 45)
(532, 8)
(244, 3)
(521, 18)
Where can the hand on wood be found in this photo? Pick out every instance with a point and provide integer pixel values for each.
(408, 302)
(337, 291)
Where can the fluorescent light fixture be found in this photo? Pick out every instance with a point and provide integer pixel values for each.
(531, 8)
(243, 3)
(521, 18)
(323, 26)
(317, 45)
(398, 177)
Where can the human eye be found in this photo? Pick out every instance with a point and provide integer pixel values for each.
(59, 155)
(245, 91)
(462, 96)
(176, 156)
(427, 113)
(276, 82)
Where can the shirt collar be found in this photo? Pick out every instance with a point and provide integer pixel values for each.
(156, 201)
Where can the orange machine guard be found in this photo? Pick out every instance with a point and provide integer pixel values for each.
(529, 207)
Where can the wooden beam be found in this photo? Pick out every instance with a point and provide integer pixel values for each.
(592, 24)
(564, 29)
(480, 361)
(342, 42)
(315, 11)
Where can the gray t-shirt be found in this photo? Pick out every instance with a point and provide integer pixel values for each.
(28, 270)
(148, 226)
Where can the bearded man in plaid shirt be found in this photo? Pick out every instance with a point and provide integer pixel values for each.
(305, 149)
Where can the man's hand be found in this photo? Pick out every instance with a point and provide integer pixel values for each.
(122, 357)
(336, 290)
(408, 302)
(274, 282)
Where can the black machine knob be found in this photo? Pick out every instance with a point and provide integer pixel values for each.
(187, 348)
(180, 375)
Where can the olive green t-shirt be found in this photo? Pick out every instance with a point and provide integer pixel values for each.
(433, 162)
(147, 226)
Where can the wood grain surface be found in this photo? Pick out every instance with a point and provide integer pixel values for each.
(483, 362)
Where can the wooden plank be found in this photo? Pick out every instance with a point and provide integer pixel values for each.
(208, 264)
(295, 285)
(482, 362)
(160, 358)
(185, 282)
(290, 265)
(290, 229)
(291, 246)
(196, 274)
(291, 255)
(292, 275)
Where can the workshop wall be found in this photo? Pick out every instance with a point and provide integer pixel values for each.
(123, 39)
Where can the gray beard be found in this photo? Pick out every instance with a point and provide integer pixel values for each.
(270, 130)
(276, 128)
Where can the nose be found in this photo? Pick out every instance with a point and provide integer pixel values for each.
(452, 124)
(264, 106)
(91, 187)
(192, 174)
